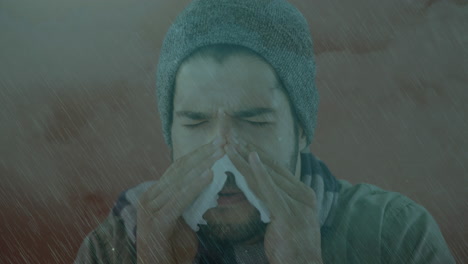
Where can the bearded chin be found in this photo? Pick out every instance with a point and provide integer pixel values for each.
(233, 233)
(219, 232)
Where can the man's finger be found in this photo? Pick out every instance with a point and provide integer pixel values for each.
(276, 199)
(298, 191)
(269, 195)
(246, 148)
(284, 179)
(179, 170)
(174, 208)
(165, 192)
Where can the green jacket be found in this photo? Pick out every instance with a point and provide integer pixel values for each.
(372, 225)
(359, 224)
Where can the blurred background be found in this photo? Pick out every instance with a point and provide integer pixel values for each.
(79, 121)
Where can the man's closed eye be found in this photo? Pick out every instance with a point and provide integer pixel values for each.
(259, 124)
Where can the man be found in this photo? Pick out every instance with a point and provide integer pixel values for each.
(236, 78)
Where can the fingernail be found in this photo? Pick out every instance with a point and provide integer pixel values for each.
(235, 139)
(219, 141)
(235, 150)
(256, 158)
(218, 153)
(239, 139)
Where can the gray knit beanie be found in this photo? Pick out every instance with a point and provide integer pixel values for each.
(274, 29)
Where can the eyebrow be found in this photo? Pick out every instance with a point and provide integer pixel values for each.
(251, 112)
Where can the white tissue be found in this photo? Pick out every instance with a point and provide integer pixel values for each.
(193, 215)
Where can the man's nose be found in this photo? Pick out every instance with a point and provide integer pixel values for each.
(225, 125)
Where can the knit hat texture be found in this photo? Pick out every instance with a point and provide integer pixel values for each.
(274, 29)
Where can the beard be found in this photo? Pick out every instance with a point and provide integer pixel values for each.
(234, 233)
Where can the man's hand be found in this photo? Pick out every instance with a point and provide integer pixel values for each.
(293, 235)
(162, 234)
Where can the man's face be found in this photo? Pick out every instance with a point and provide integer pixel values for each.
(240, 96)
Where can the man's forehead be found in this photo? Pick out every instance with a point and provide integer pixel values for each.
(234, 99)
